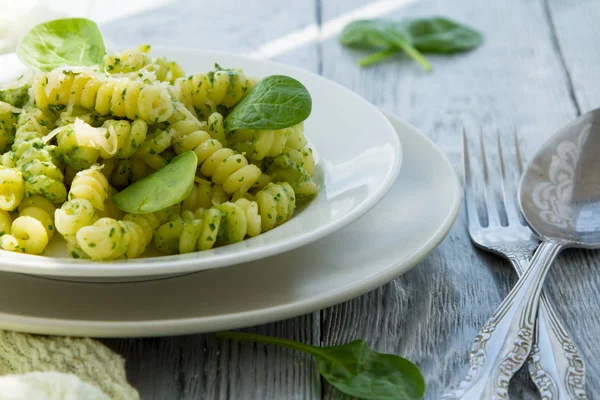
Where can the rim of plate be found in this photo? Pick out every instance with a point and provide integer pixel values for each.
(171, 265)
(236, 320)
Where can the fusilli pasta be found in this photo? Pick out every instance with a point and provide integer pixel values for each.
(12, 188)
(87, 195)
(136, 60)
(222, 165)
(121, 97)
(110, 239)
(226, 223)
(33, 159)
(97, 130)
(31, 231)
(8, 119)
(204, 194)
(204, 92)
(267, 143)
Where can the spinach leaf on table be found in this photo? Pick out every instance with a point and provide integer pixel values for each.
(354, 368)
(442, 36)
(422, 35)
(381, 33)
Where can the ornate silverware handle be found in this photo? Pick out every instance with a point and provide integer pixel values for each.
(560, 373)
(503, 344)
(555, 364)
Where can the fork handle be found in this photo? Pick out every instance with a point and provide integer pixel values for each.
(555, 364)
(504, 342)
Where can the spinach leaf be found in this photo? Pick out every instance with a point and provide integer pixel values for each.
(354, 368)
(442, 36)
(69, 41)
(371, 33)
(426, 35)
(381, 33)
(161, 189)
(276, 102)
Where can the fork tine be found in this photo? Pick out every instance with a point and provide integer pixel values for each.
(509, 183)
(519, 162)
(490, 195)
(519, 159)
(472, 214)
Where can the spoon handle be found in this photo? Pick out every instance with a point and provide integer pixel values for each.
(555, 364)
(504, 342)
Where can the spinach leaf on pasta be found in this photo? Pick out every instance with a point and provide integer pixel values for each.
(276, 102)
(161, 189)
(69, 41)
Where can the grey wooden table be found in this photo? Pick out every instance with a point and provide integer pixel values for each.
(538, 68)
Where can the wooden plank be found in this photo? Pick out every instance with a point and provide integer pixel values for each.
(201, 366)
(576, 36)
(223, 25)
(515, 81)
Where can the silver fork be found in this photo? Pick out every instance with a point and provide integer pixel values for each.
(554, 364)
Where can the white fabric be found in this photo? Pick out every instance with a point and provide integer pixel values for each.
(47, 386)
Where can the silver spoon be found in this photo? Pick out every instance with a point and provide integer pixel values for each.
(559, 196)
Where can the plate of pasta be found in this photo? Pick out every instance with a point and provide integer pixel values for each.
(144, 162)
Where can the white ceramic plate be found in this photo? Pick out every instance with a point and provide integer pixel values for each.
(358, 158)
(389, 240)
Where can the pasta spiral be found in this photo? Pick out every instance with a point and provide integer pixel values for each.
(151, 151)
(33, 159)
(110, 239)
(204, 195)
(121, 173)
(121, 97)
(8, 119)
(166, 70)
(226, 223)
(87, 195)
(137, 60)
(126, 61)
(283, 168)
(68, 117)
(31, 231)
(72, 151)
(222, 165)
(79, 145)
(12, 188)
(204, 92)
(183, 121)
(130, 137)
(276, 204)
(5, 222)
(267, 143)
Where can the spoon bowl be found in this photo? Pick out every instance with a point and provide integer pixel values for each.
(559, 194)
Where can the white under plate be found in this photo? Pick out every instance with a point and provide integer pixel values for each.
(403, 228)
(357, 155)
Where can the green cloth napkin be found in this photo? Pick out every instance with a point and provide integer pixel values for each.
(52, 358)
